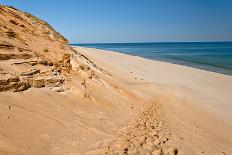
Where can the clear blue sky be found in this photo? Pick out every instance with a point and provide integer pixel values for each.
(89, 21)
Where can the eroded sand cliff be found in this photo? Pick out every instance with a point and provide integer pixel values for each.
(54, 100)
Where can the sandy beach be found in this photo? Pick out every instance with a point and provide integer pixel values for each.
(197, 103)
(207, 89)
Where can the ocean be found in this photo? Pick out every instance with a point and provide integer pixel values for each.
(211, 56)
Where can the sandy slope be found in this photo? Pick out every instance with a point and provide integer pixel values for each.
(53, 100)
(79, 120)
(197, 103)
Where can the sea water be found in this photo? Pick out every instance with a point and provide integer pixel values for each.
(211, 56)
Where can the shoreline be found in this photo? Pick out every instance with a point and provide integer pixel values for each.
(193, 60)
(169, 62)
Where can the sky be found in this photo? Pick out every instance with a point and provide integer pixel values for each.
(107, 21)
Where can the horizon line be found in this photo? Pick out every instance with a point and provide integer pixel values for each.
(154, 42)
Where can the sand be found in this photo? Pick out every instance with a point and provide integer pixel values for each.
(197, 103)
(129, 105)
(208, 89)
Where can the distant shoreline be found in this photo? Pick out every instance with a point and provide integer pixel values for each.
(183, 60)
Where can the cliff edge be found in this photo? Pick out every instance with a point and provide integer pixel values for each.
(32, 53)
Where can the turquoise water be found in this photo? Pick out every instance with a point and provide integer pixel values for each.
(211, 56)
